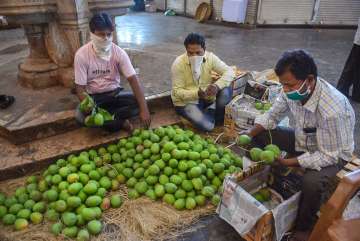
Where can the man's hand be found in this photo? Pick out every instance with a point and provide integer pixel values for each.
(201, 94)
(289, 162)
(140, 98)
(244, 132)
(282, 161)
(254, 131)
(80, 90)
(212, 90)
(145, 118)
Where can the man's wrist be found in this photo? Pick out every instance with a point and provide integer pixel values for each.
(143, 108)
(255, 130)
(201, 93)
(290, 162)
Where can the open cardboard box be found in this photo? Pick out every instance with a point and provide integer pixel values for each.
(242, 211)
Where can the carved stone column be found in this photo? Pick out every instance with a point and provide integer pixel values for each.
(37, 70)
(73, 20)
(113, 7)
(64, 26)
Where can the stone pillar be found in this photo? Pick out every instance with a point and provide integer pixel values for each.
(113, 7)
(74, 22)
(55, 29)
(73, 17)
(37, 71)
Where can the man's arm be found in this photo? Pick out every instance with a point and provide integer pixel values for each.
(139, 95)
(335, 140)
(80, 70)
(226, 72)
(130, 74)
(80, 90)
(179, 89)
(334, 137)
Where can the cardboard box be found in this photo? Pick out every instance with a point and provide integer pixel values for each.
(242, 211)
(240, 113)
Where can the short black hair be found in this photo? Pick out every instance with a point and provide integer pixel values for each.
(101, 22)
(195, 38)
(299, 62)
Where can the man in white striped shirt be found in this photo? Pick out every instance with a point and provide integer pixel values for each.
(322, 139)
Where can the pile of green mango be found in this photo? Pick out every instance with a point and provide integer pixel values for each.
(168, 164)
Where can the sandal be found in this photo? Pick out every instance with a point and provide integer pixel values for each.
(6, 101)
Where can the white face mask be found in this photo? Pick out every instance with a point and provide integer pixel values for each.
(102, 46)
(196, 62)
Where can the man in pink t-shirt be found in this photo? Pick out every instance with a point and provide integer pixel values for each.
(98, 65)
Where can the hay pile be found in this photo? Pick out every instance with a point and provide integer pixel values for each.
(137, 220)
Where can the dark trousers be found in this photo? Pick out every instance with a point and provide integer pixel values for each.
(203, 117)
(121, 104)
(139, 5)
(351, 74)
(316, 186)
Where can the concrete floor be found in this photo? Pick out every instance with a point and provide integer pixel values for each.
(162, 37)
(210, 228)
(254, 49)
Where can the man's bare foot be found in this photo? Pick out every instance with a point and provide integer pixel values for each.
(300, 236)
(127, 126)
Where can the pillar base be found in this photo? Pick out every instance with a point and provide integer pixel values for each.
(66, 77)
(38, 80)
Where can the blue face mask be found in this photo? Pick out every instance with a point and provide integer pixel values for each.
(296, 95)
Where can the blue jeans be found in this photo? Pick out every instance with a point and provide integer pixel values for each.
(202, 116)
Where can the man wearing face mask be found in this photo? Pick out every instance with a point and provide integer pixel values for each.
(97, 67)
(194, 93)
(321, 140)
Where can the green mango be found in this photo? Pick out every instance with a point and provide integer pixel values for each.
(106, 115)
(87, 104)
(89, 121)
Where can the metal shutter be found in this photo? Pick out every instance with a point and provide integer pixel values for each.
(217, 10)
(160, 4)
(251, 12)
(176, 5)
(285, 11)
(338, 12)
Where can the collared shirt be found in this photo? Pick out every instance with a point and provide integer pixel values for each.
(357, 35)
(185, 88)
(330, 113)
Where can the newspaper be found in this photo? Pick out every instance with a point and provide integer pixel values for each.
(285, 215)
(239, 208)
(352, 211)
